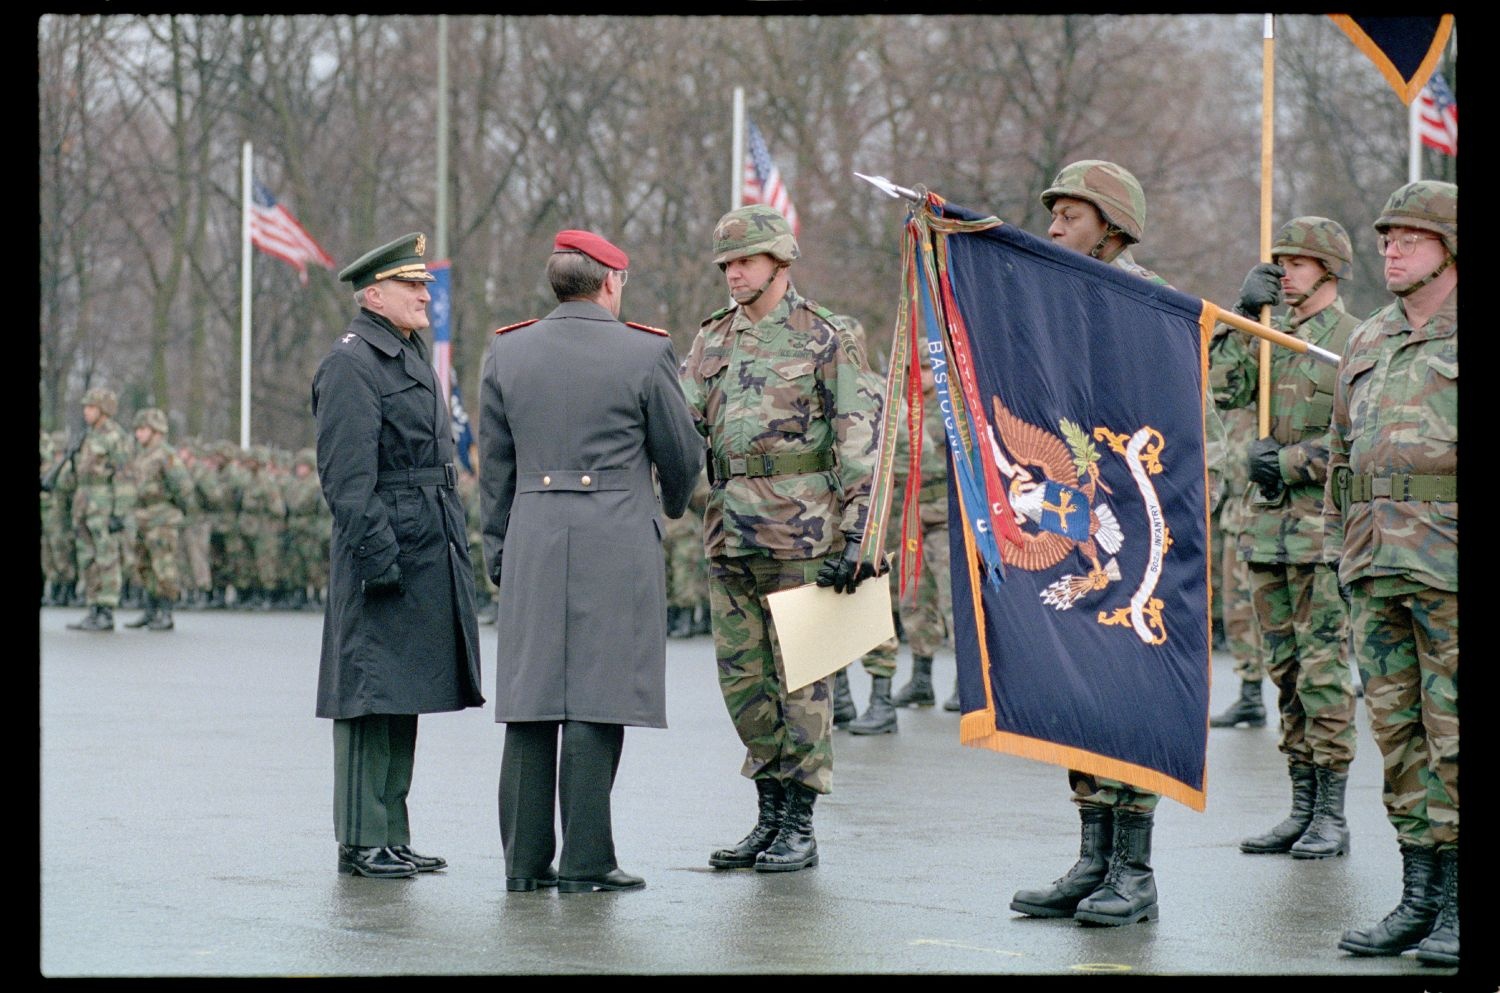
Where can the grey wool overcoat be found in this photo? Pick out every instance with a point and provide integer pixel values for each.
(383, 440)
(575, 411)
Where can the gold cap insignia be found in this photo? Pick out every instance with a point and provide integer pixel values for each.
(421, 244)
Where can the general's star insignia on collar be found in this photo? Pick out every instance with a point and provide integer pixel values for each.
(348, 337)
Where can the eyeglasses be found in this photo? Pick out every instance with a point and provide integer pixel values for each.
(624, 275)
(1405, 245)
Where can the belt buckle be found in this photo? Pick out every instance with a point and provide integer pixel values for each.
(1380, 486)
(738, 466)
(767, 466)
(450, 474)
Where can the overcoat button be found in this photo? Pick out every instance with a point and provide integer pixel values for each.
(546, 480)
(585, 480)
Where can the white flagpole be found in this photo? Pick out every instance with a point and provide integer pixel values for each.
(737, 166)
(1414, 140)
(246, 159)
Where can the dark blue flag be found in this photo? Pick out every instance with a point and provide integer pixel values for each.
(1094, 652)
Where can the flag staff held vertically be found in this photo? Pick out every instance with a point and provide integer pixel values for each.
(1267, 174)
(246, 158)
(737, 150)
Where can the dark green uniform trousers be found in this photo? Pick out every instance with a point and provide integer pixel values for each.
(532, 788)
(372, 763)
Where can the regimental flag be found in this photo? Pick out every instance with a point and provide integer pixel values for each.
(276, 232)
(1404, 49)
(763, 180)
(1437, 116)
(440, 314)
(1093, 653)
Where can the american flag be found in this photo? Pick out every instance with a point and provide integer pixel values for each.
(1437, 116)
(763, 180)
(439, 314)
(276, 232)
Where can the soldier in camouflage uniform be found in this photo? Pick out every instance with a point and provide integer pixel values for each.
(193, 543)
(1298, 610)
(1237, 606)
(101, 503)
(879, 662)
(1098, 209)
(775, 388)
(687, 568)
(307, 530)
(1392, 526)
(484, 587)
(58, 530)
(262, 521)
(163, 494)
(218, 498)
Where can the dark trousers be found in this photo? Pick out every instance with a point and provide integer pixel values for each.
(372, 763)
(531, 786)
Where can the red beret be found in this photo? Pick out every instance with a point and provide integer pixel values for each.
(593, 246)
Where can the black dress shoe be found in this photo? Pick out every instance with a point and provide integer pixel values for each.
(525, 884)
(424, 863)
(614, 879)
(375, 863)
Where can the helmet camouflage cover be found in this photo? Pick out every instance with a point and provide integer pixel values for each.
(754, 230)
(1320, 238)
(152, 417)
(1428, 205)
(1109, 187)
(102, 398)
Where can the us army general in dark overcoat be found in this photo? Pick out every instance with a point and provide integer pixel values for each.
(400, 637)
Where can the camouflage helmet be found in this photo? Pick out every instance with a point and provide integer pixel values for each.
(1109, 187)
(152, 417)
(754, 230)
(1428, 205)
(306, 456)
(1320, 238)
(102, 398)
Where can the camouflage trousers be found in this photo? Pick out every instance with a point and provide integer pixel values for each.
(193, 555)
(59, 550)
(1303, 634)
(787, 734)
(1096, 791)
(927, 617)
(1238, 611)
(156, 560)
(98, 560)
(1406, 645)
(687, 567)
(305, 554)
(262, 565)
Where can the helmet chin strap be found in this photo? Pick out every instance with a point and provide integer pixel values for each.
(1300, 298)
(1109, 232)
(1434, 274)
(763, 286)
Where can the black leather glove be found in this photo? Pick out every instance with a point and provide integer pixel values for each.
(1265, 467)
(843, 572)
(386, 583)
(495, 576)
(116, 524)
(1262, 288)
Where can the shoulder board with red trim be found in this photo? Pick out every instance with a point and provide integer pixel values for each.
(518, 324)
(647, 327)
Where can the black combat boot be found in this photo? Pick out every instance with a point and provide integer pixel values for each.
(1328, 834)
(1247, 710)
(146, 617)
(1128, 893)
(843, 700)
(880, 716)
(1403, 928)
(49, 593)
(71, 595)
(1061, 898)
(918, 691)
(953, 704)
(161, 620)
(795, 847)
(1440, 947)
(97, 619)
(1281, 837)
(770, 797)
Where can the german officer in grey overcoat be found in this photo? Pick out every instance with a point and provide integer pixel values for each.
(575, 411)
(399, 636)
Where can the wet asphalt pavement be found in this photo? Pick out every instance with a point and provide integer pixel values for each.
(186, 830)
